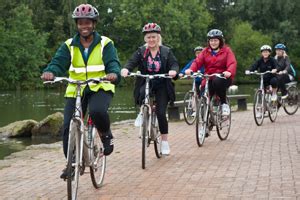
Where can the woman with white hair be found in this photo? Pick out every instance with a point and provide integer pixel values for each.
(287, 72)
(155, 58)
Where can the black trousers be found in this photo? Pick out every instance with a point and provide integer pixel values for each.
(162, 99)
(282, 80)
(219, 86)
(97, 103)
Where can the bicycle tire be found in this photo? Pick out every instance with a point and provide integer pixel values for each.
(98, 167)
(156, 137)
(291, 105)
(258, 107)
(144, 129)
(201, 121)
(272, 110)
(188, 108)
(223, 122)
(73, 154)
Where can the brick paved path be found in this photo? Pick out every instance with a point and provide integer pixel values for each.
(254, 163)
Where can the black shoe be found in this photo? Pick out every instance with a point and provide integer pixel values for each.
(108, 144)
(64, 174)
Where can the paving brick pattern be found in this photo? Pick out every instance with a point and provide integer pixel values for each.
(253, 163)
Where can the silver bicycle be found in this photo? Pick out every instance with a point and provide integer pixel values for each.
(190, 102)
(85, 147)
(262, 101)
(149, 130)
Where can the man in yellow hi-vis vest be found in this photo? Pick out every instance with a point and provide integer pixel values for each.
(87, 55)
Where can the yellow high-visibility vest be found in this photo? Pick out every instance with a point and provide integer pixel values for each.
(94, 69)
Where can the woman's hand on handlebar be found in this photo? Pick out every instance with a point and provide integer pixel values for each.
(188, 72)
(227, 74)
(47, 76)
(172, 73)
(111, 77)
(124, 72)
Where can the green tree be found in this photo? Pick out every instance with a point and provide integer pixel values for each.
(22, 50)
(246, 44)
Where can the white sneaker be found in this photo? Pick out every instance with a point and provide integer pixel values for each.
(139, 120)
(258, 115)
(274, 97)
(225, 109)
(194, 114)
(165, 148)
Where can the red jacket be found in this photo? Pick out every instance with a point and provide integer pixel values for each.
(224, 60)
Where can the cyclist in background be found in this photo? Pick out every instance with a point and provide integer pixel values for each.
(217, 58)
(287, 72)
(87, 55)
(155, 58)
(267, 63)
(198, 80)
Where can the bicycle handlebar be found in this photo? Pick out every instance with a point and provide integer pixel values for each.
(69, 80)
(258, 73)
(199, 74)
(149, 75)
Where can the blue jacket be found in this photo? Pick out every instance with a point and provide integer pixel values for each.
(198, 79)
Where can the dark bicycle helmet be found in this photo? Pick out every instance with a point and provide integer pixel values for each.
(280, 46)
(198, 48)
(85, 11)
(266, 47)
(151, 28)
(215, 33)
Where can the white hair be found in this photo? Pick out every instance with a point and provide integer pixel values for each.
(159, 40)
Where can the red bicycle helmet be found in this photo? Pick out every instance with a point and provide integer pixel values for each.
(150, 28)
(85, 11)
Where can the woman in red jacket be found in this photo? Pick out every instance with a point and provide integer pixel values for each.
(217, 58)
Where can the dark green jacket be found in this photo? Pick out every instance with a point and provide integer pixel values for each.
(61, 61)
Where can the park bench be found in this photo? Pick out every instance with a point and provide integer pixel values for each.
(241, 100)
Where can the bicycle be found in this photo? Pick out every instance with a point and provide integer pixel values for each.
(85, 147)
(262, 101)
(190, 103)
(149, 130)
(209, 113)
(290, 104)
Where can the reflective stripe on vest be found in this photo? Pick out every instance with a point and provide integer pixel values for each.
(94, 69)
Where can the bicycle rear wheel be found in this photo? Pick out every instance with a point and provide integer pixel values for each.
(144, 133)
(290, 104)
(189, 109)
(156, 137)
(201, 121)
(272, 109)
(223, 122)
(73, 167)
(97, 170)
(258, 108)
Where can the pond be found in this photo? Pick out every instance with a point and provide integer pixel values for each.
(38, 104)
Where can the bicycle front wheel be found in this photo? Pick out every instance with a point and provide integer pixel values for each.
(97, 169)
(272, 110)
(144, 133)
(189, 109)
(73, 167)
(156, 136)
(290, 104)
(258, 108)
(201, 121)
(223, 122)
